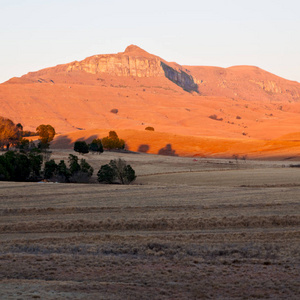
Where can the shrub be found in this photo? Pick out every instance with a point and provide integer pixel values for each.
(114, 110)
(117, 171)
(149, 128)
(215, 117)
(81, 147)
(238, 117)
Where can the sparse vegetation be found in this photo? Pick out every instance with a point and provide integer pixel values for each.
(215, 117)
(236, 157)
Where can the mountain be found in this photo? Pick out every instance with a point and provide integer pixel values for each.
(134, 89)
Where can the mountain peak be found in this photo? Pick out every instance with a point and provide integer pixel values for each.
(135, 50)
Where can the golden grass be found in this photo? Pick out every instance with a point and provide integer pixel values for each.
(185, 230)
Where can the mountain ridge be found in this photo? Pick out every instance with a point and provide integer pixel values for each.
(134, 89)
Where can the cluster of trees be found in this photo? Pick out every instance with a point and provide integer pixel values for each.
(117, 171)
(95, 147)
(110, 142)
(77, 171)
(12, 135)
(18, 166)
(26, 164)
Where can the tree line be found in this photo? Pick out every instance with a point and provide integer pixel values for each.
(31, 161)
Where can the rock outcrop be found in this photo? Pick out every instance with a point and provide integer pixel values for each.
(134, 62)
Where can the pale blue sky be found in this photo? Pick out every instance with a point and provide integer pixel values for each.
(36, 34)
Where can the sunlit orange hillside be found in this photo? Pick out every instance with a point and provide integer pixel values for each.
(131, 90)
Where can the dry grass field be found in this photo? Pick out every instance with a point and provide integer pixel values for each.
(186, 229)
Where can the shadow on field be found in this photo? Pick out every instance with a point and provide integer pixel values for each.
(167, 150)
(143, 148)
(64, 142)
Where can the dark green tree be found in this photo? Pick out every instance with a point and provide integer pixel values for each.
(4, 173)
(79, 172)
(20, 166)
(50, 169)
(86, 168)
(96, 146)
(116, 171)
(81, 147)
(63, 172)
(73, 164)
(106, 174)
(36, 161)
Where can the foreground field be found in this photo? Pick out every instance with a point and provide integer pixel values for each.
(186, 229)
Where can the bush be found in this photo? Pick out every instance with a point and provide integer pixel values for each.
(149, 128)
(117, 171)
(81, 147)
(114, 111)
(215, 117)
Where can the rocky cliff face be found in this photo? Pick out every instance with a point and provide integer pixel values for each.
(119, 65)
(134, 62)
(181, 78)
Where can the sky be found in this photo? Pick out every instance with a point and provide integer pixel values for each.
(36, 34)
